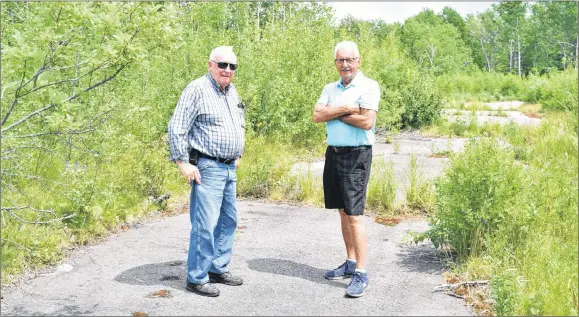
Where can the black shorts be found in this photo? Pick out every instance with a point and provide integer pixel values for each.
(346, 175)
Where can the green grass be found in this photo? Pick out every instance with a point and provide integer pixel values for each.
(419, 192)
(476, 106)
(101, 196)
(510, 214)
(264, 167)
(382, 187)
(531, 108)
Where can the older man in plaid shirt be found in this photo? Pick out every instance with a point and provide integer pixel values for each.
(206, 140)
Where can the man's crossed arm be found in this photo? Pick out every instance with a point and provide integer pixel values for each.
(351, 114)
(365, 120)
(323, 113)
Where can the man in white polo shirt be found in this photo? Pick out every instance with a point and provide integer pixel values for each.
(349, 107)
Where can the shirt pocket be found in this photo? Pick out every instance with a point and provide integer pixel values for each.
(210, 118)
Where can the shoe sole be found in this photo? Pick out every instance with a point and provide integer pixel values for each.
(338, 277)
(220, 282)
(358, 295)
(202, 294)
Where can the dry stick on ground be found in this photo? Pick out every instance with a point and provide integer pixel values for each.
(452, 287)
(10, 212)
(455, 295)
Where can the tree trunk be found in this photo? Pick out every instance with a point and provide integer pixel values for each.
(564, 51)
(511, 57)
(486, 55)
(273, 17)
(431, 53)
(577, 53)
(535, 57)
(257, 29)
(519, 53)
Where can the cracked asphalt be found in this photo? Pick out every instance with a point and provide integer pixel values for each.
(280, 251)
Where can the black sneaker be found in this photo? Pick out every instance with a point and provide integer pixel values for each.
(226, 278)
(205, 289)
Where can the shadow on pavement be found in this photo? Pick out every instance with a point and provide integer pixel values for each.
(290, 268)
(171, 274)
(66, 310)
(422, 258)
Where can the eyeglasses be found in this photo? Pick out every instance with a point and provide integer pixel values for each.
(342, 60)
(223, 65)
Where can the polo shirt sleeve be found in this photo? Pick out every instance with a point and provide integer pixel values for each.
(370, 97)
(325, 97)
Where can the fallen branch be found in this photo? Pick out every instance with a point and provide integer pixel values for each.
(38, 222)
(71, 132)
(20, 246)
(160, 199)
(455, 295)
(452, 287)
(28, 117)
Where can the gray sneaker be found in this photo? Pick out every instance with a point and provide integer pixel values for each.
(358, 285)
(346, 270)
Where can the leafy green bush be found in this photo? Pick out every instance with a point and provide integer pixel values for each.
(422, 102)
(533, 88)
(475, 196)
(560, 92)
(521, 219)
(409, 96)
(263, 167)
(511, 87)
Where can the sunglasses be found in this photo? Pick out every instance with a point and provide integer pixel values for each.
(223, 65)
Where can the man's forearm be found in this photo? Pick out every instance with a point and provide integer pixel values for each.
(363, 121)
(326, 113)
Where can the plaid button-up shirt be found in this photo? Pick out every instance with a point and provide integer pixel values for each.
(207, 120)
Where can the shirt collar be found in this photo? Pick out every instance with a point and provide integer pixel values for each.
(215, 84)
(354, 81)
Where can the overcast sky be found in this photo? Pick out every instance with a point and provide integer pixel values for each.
(399, 11)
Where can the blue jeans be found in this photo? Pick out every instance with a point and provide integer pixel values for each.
(213, 216)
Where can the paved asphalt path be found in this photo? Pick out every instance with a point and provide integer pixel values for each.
(281, 252)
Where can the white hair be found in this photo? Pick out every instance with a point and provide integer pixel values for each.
(349, 45)
(221, 51)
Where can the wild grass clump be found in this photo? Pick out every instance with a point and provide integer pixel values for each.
(382, 187)
(517, 213)
(419, 191)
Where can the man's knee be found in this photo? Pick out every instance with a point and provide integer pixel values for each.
(355, 219)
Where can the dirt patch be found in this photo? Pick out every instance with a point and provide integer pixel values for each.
(533, 115)
(160, 293)
(476, 294)
(388, 221)
(437, 155)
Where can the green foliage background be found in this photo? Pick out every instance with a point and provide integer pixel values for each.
(88, 89)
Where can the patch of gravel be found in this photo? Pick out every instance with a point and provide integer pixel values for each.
(496, 105)
(413, 135)
(408, 134)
